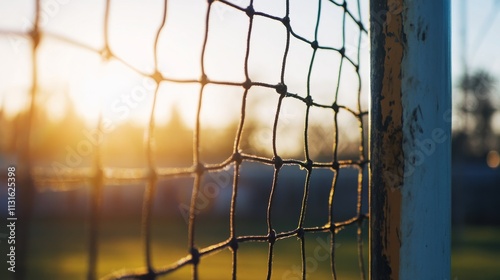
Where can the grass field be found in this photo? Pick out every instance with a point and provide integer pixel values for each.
(58, 251)
(476, 253)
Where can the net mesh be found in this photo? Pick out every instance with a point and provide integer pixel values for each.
(98, 175)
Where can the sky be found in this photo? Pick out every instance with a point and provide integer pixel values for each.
(481, 36)
(475, 42)
(121, 94)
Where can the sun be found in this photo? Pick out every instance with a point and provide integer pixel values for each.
(110, 90)
(88, 93)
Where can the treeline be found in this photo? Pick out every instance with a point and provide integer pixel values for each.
(479, 102)
(71, 143)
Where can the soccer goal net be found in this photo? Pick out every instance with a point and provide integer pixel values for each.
(192, 139)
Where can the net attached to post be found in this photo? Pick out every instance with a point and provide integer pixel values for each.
(97, 177)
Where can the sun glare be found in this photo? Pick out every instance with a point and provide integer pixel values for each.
(78, 79)
(95, 92)
(89, 92)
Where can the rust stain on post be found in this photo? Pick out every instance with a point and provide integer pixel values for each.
(392, 158)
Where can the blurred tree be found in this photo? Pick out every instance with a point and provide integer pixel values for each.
(477, 108)
(174, 141)
(3, 130)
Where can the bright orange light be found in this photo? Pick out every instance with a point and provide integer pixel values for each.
(493, 159)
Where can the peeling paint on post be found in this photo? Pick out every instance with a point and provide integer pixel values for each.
(410, 172)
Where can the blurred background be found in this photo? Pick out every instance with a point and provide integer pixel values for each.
(476, 139)
(76, 87)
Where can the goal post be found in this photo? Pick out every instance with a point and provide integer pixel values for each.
(410, 136)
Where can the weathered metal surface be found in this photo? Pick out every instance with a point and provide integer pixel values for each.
(387, 139)
(410, 140)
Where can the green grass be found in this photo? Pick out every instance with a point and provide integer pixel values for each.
(58, 251)
(476, 253)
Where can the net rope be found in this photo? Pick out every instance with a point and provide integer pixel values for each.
(98, 175)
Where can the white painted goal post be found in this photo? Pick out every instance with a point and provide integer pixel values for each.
(410, 136)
